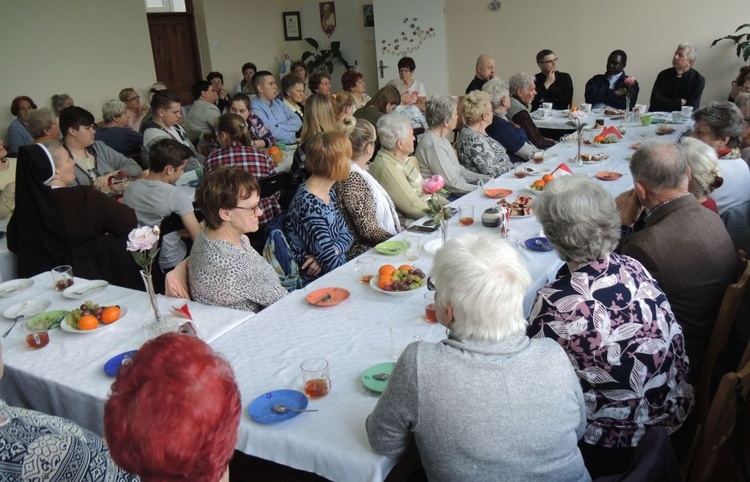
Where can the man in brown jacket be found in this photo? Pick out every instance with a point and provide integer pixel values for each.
(684, 246)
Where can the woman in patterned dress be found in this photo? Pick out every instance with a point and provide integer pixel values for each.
(616, 325)
(476, 150)
(317, 232)
(367, 208)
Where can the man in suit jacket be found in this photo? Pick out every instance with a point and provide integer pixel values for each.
(679, 85)
(684, 246)
(607, 90)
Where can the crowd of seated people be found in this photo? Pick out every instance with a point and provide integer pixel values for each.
(351, 196)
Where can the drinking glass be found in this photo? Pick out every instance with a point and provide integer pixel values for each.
(36, 334)
(366, 268)
(412, 252)
(62, 277)
(315, 378)
(466, 215)
(429, 307)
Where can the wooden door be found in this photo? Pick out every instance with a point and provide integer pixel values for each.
(175, 47)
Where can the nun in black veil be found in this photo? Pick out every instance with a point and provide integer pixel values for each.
(53, 224)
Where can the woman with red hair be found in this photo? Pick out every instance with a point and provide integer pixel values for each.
(18, 134)
(174, 412)
(354, 82)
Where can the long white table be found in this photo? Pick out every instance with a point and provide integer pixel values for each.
(66, 377)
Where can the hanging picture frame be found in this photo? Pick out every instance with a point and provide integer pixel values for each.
(292, 26)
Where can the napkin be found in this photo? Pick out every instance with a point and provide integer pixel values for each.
(562, 170)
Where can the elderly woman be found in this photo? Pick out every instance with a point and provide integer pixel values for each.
(704, 171)
(174, 412)
(95, 162)
(397, 171)
(135, 112)
(299, 70)
(720, 125)
(293, 91)
(53, 224)
(440, 395)
(615, 324)
(504, 131)
(354, 82)
(343, 105)
(743, 104)
(435, 152)
(477, 151)
(319, 118)
(43, 126)
(741, 84)
(523, 90)
(317, 232)
(385, 100)
(18, 134)
(224, 269)
(367, 208)
(320, 83)
(60, 102)
(115, 132)
(412, 91)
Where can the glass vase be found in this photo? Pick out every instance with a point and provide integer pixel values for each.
(157, 325)
(628, 112)
(579, 159)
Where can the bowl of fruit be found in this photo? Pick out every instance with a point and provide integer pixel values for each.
(538, 185)
(398, 281)
(91, 318)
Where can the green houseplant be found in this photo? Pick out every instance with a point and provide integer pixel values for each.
(325, 59)
(743, 46)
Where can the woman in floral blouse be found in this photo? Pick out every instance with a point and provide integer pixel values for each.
(476, 150)
(616, 325)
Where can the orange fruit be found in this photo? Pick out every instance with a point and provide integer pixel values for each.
(548, 177)
(405, 267)
(599, 138)
(273, 149)
(384, 281)
(110, 314)
(386, 269)
(88, 322)
(573, 108)
(539, 184)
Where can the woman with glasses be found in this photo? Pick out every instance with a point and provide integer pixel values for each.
(412, 91)
(367, 208)
(135, 112)
(223, 268)
(317, 233)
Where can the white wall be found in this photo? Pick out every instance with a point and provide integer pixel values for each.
(90, 49)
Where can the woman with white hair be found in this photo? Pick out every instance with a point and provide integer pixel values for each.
(616, 326)
(396, 170)
(720, 125)
(523, 91)
(435, 152)
(507, 133)
(704, 171)
(477, 151)
(115, 132)
(487, 403)
(43, 125)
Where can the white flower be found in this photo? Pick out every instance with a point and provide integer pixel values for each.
(143, 239)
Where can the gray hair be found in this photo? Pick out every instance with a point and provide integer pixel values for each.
(520, 81)
(496, 89)
(743, 104)
(692, 48)
(704, 166)
(660, 165)
(39, 121)
(473, 106)
(439, 110)
(392, 128)
(724, 119)
(113, 109)
(484, 281)
(579, 218)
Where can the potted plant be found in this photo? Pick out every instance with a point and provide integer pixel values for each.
(323, 60)
(743, 46)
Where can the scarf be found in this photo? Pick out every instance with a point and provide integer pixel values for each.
(385, 210)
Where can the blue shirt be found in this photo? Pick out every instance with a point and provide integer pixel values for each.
(280, 120)
(18, 136)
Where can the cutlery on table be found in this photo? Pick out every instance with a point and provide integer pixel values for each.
(282, 409)
(13, 325)
(327, 297)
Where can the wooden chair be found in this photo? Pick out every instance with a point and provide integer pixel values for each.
(726, 414)
(280, 182)
(730, 305)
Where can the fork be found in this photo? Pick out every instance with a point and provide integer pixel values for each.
(323, 299)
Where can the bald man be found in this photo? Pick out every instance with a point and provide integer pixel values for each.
(485, 71)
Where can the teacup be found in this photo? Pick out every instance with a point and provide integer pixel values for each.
(677, 116)
(586, 107)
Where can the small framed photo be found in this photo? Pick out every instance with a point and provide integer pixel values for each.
(292, 28)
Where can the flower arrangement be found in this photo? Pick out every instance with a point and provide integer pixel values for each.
(629, 89)
(577, 122)
(141, 242)
(432, 186)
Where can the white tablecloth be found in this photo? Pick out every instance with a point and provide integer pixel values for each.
(66, 377)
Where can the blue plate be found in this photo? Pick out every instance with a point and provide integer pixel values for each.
(113, 364)
(542, 245)
(260, 409)
(194, 183)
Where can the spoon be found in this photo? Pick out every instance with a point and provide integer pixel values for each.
(282, 409)
(381, 377)
(545, 246)
(15, 320)
(323, 300)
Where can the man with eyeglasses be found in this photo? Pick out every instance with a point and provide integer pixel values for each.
(551, 85)
(199, 122)
(680, 84)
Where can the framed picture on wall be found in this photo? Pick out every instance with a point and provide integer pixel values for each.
(292, 28)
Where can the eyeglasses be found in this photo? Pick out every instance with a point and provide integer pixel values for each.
(430, 284)
(252, 209)
(549, 61)
(404, 70)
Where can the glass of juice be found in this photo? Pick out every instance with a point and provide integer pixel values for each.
(429, 307)
(62, 277)
(366, 268)
(466, 215)
(36, 334)
(315, 378)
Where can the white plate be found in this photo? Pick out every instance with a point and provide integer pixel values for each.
(80, 291)
(27, 308)
(374, 285)
(64, 326)
(433, 246)
(15, 286)
(530, 187)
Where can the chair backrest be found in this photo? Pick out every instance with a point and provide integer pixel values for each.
(654, 459)
(280, 182)
(730, 305)
(732, 394)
